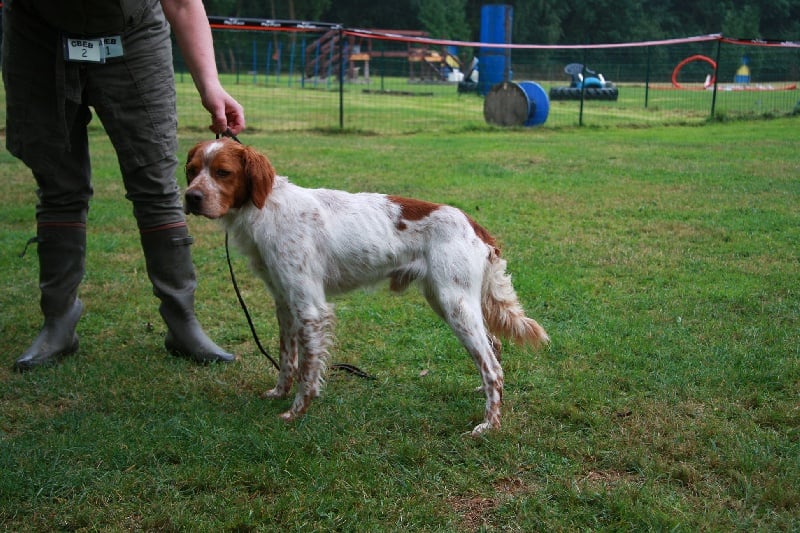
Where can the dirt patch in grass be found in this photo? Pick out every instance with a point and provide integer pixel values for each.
(476, 510)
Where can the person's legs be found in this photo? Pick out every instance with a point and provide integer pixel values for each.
(46, 129)
(135, 99)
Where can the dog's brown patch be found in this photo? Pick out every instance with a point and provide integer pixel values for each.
(413, 209)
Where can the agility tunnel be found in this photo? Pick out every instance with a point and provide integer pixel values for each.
(494, 64)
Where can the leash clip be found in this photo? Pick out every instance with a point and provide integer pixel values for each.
(228, 133)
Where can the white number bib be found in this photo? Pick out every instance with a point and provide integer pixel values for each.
(95, 50)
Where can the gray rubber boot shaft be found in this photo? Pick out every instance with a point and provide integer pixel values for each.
(169, 265)
(62, 258)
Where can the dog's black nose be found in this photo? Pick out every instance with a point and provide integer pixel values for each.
(193, 201)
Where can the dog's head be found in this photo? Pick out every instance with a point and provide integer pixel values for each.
(225, 175)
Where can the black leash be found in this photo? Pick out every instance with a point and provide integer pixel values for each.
(352, 369)
(229, 134)
(244, 307)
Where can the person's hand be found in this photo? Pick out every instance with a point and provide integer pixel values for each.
(193, 34)
(226, 112)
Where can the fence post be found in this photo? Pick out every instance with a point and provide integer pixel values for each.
(255, 63)
(238, 63)
(583, 86)
(268, 63)
(303, 63)
(716, 78)
(291, 59)
(341, 79)
(278, 66)
(382, 66)
(647, 79)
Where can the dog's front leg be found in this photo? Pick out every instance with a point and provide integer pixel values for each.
(314, 339)
(288, 353)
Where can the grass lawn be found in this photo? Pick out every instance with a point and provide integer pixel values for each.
(663, 262)
(395, 106)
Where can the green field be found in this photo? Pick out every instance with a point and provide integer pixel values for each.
(395, 106)
(663, 261)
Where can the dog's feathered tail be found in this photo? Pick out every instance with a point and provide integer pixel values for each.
(502, 311)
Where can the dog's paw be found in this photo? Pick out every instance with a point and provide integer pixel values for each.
(480, 429)
(288, 416)
(275, 394)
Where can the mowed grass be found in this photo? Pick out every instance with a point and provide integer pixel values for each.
(397, 106)
(662, 261)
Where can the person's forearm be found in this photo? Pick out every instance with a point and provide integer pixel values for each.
(193, 34)
(190, 26)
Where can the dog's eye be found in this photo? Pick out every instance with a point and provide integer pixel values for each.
(222, 173)
(191, 171)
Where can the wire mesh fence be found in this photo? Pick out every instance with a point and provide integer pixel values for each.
(304, 76)
(316, 76)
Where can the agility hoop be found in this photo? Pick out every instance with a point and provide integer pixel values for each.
(690, 59)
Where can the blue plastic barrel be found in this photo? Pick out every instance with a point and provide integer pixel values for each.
(496, 23)
(538, 102)
(492, 70)
(494, 63)
(524, 103)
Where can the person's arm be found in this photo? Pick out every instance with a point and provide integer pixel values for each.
(190, 25)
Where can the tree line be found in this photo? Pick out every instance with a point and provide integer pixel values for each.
(543, 21)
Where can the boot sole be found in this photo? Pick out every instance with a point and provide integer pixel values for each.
(177, 351)
(25, 365)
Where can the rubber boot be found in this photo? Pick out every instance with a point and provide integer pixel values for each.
(170, 268)
(62, 252)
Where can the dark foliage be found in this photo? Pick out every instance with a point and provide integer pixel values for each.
(545, 21)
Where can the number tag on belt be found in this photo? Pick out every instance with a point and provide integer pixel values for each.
(95, 50)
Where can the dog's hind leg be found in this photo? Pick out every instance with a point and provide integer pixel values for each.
(462, 312)
(497, 348)
(492, 379)
(288, 354)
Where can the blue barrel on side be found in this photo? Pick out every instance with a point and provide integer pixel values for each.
(523, 103)
(494, 63)
(538, 103)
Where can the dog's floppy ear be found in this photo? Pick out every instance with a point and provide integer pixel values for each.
(261, 174)
(189, 158)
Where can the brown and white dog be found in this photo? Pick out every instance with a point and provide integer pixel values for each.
(306, 244)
